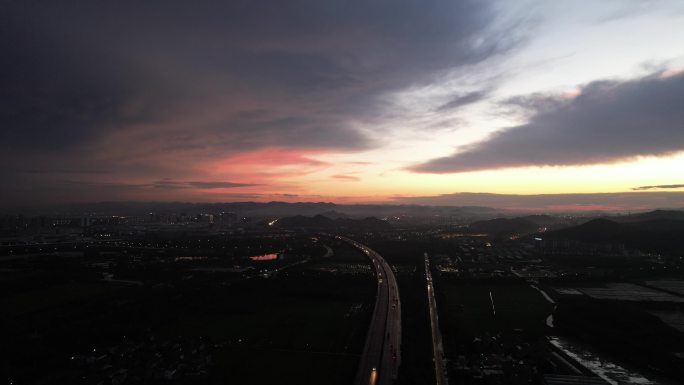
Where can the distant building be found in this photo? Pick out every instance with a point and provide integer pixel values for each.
(205, 218)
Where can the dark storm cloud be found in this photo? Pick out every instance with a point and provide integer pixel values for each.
(535, 103)
(608, 122)
(75, 71)
(462, 100)
(146, 89)
(165, 184)
(662, 186)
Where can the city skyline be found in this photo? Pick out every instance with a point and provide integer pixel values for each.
(549, 105)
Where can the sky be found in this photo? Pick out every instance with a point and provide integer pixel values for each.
(455, 102)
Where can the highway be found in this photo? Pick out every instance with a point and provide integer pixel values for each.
(381, 355)
(437, 348)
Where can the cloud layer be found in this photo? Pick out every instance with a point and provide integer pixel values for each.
(141, 92)
(658, 187)
(609, 121)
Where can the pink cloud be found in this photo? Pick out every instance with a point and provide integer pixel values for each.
(349, 178)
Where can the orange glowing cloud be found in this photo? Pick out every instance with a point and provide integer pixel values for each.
(272, 157)
(269, 170)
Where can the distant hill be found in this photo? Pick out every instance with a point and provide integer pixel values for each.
(542, 220)
(505, 226)
(251, 209)
(655, 234)
(649, 216)
(596, 230)
(320, 222)
(332, 214)
(661, 226)
(270, 210)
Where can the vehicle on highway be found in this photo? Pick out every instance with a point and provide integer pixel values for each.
(373, 377)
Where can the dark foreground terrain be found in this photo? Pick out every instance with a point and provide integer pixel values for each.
(144, 314)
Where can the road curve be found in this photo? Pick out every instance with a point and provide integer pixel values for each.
(381, 355)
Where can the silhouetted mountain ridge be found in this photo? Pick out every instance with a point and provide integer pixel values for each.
(650, 215)
(270, 210)
(321, 222)
(654, 234)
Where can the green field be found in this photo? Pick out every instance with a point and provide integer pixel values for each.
(279, 332)
(56, 297)
(465, 309)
